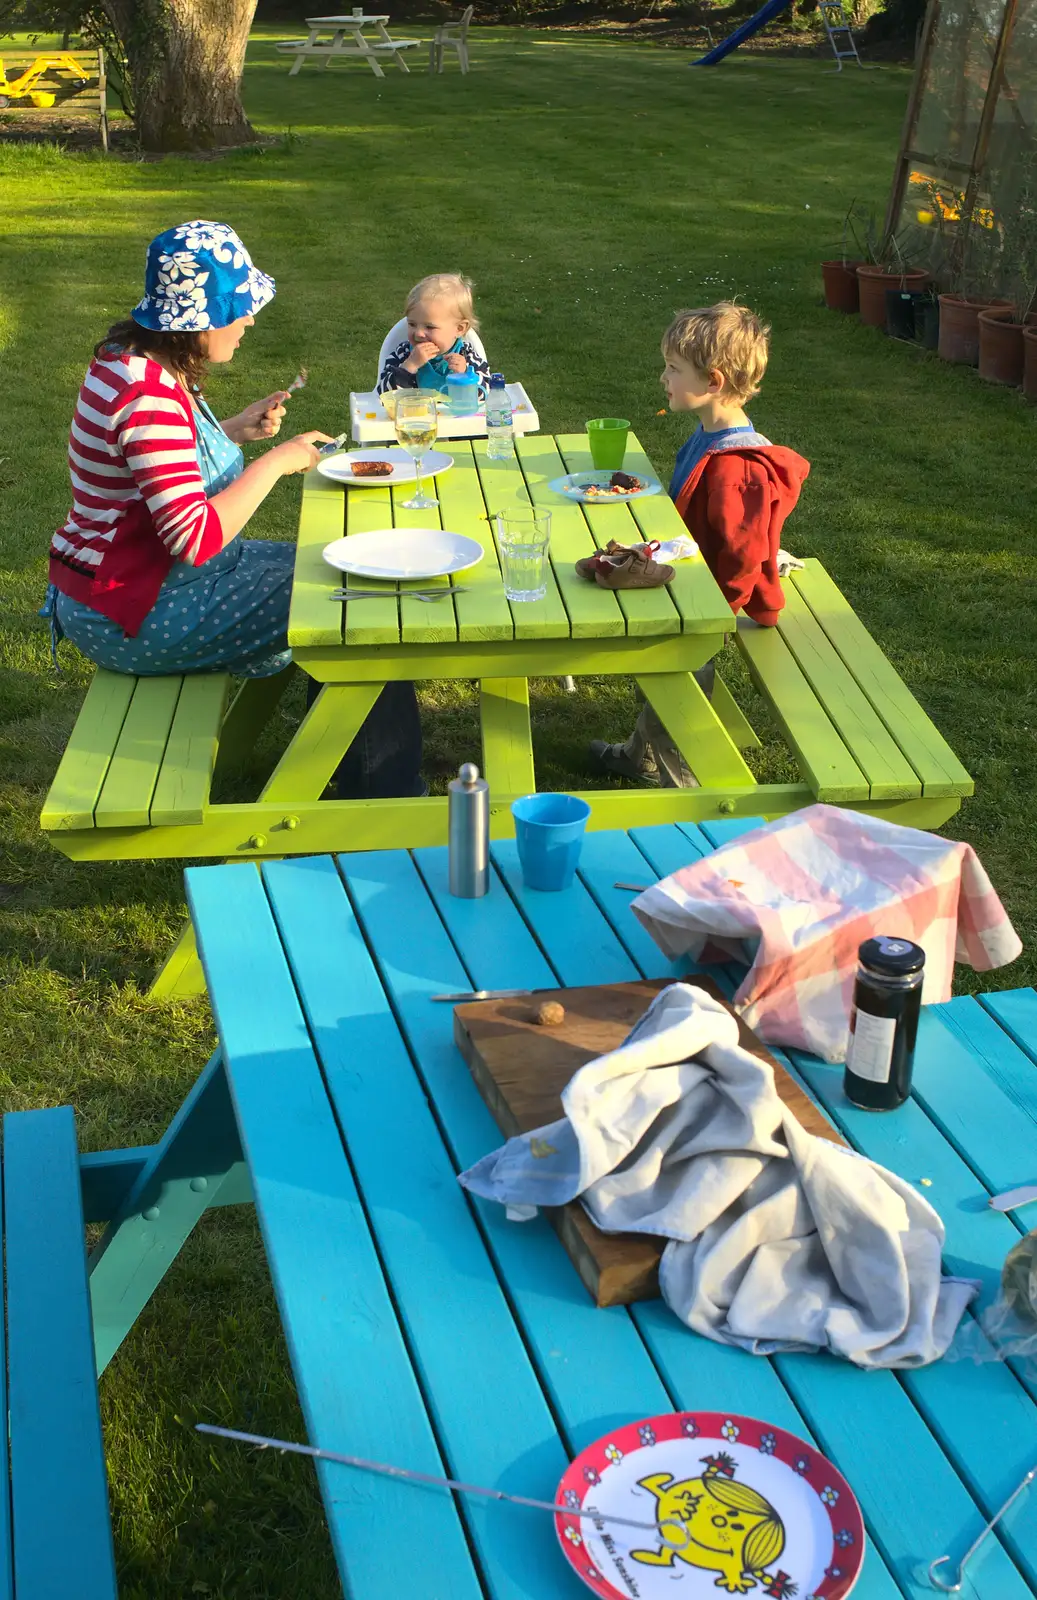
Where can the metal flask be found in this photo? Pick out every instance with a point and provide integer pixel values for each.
(469, 833)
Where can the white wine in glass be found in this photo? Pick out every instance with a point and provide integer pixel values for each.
(417, 428)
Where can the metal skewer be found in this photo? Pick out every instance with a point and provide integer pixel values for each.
(435, 1482)
(954, 1588)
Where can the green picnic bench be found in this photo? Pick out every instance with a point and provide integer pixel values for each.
(136, 778)
(55, 1527)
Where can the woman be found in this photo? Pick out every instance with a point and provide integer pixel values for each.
(149, 574)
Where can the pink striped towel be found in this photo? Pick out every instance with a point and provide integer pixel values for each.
(797, 897)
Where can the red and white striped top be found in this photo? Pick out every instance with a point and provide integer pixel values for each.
(138, 503)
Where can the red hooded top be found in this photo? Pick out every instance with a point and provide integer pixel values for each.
(735, 503)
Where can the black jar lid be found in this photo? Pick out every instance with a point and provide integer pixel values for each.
(897, 957)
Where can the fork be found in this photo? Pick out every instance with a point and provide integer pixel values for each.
(429, 596)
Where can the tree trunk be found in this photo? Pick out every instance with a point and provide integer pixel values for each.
(186, 59)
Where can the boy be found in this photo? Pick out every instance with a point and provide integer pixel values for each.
(734, 490)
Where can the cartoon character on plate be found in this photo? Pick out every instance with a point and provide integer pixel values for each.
(715, 1523)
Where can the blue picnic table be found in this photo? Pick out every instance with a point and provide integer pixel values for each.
(428, 1331)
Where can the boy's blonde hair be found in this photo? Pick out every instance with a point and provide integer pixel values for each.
(450, 286)
(725, 338)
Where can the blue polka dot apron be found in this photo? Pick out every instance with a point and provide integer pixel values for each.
(228, 615)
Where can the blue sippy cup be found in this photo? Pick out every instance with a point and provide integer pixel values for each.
(463, 391)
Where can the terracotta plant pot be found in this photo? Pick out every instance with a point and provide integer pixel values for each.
(840, 278)
(1001, 354)
(959, 327)
(872, 283)
(1030, 363)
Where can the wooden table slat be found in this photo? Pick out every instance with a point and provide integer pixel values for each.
(420, 623)
(592, 1362)
(977, 1116)
(1016, 1011)
(185, 777)
(312, 618)
(647, 611)
(125, 798)
(504, 489)
(346, 1348)
(484, 612)
(368, 622)
(931, 756)
(608, 858)
(827, 765)
(995, 1045)
(88, 755)
(888, 771)
(594, 613)
(490, 1414)
(60, 1521)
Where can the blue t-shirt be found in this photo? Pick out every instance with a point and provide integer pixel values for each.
(700, 444)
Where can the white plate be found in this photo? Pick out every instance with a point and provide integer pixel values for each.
(339, 468)
(404, 553)
(576, 484)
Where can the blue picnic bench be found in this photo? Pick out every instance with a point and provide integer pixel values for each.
(55, 1529)
(425, 1329)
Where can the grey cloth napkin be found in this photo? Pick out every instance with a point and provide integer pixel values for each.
(779, 1240)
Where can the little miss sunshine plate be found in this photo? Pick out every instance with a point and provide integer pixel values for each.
(728, 1505)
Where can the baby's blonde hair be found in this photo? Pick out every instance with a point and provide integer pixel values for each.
(450, 286)
(725, 338)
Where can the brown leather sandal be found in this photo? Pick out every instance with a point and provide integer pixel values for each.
(588, 566)
(633, 569)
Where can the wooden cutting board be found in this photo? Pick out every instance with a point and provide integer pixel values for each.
(521, 1069)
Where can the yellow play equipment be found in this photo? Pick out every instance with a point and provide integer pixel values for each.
(59, 64)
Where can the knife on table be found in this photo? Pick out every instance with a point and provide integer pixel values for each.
(481, 994)
(1013, 1197)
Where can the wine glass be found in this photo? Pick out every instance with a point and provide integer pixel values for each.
(417, 425)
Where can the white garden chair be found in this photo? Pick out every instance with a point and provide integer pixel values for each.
(453, 36)
(398, 332)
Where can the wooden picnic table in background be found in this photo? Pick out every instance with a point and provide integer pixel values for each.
(316, 47)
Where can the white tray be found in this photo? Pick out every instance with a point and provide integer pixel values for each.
(370, 423)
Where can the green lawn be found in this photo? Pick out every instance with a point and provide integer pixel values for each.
(590, 188)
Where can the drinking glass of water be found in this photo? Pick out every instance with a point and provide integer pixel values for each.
(417, 425)
(523, 538)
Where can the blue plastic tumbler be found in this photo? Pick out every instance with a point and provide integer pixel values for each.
(549, 831)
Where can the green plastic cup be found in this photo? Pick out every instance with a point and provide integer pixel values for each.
(608, 440)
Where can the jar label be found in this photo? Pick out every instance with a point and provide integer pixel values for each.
(871, 1047)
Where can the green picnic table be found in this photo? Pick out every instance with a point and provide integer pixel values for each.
(427, 1330)
(138, 777)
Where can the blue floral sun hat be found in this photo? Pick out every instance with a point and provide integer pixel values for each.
(199, 276)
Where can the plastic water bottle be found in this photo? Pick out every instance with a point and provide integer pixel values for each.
(500, 431)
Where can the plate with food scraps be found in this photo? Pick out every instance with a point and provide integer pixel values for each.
(404, 553)
(723, 1502)
(371, 469)
(602, 488)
